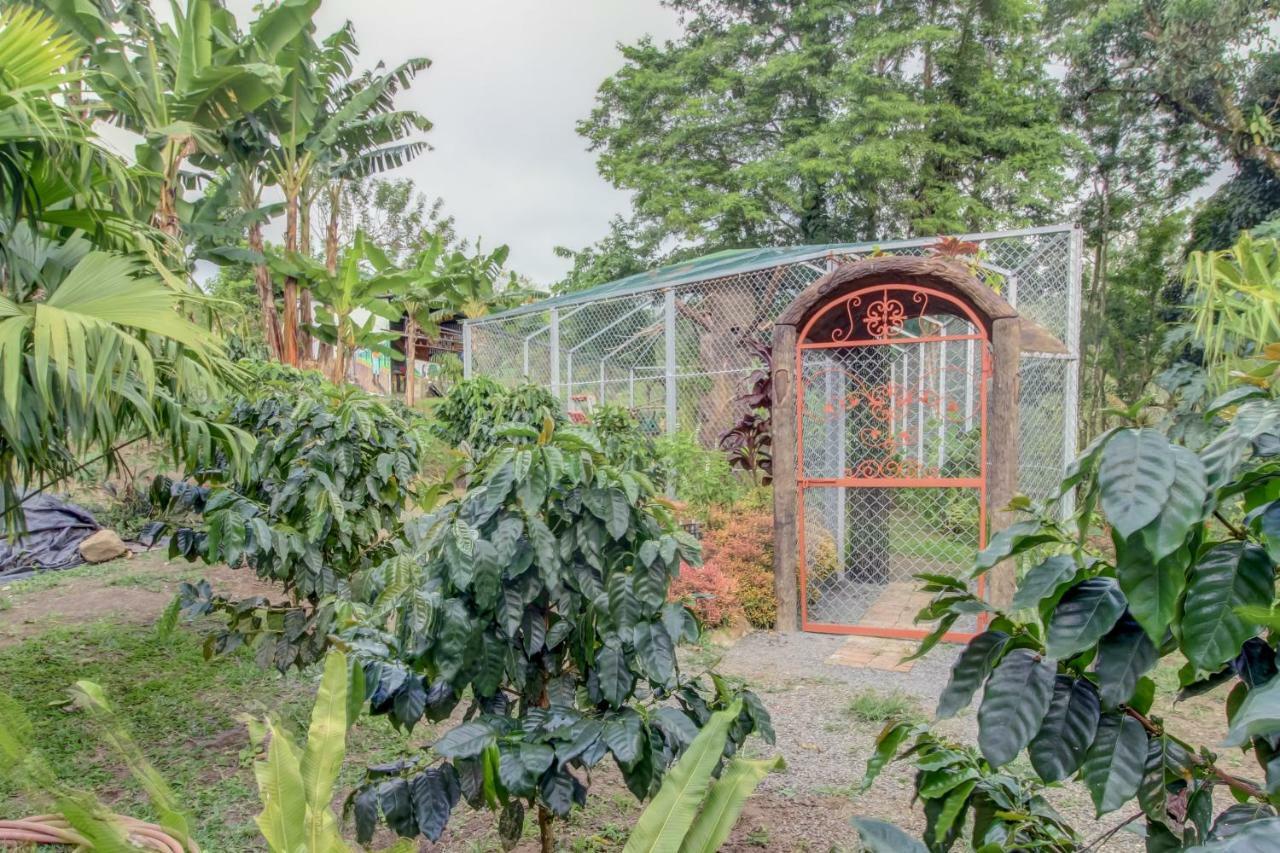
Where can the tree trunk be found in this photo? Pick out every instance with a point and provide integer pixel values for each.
(331, 254)
(165, 217)
(304, 304)
(266, 296)
(410, 357)
(289, 329)
(546, 832)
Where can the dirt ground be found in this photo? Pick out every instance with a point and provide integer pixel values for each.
(825, 744)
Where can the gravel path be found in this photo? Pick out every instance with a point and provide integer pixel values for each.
(826, 747)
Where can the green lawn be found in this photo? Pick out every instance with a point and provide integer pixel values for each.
(182, 710)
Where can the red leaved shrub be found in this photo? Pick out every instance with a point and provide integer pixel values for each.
(709, 592)
(739, 543)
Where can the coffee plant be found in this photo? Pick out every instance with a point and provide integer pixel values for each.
(1064, 670)
(322, 500)
(538, 597)
(474, 412)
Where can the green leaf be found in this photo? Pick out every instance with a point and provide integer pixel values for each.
(1013, 540)
(971, 668)
(1134, 478)
(662, 826)
(1124, 655)
(1228, 576)
(1014, 704)
(877, 836)
(886, 747)
(282, 821)
(465, 741)
(326, 745)
(1043, 581)
(1151, 587)
(725, 801)
(1113, 767)
(1256, 837)
(1258, 714)
(1059, 748)
(1086, 612)
(614, 676)
(1183, 506)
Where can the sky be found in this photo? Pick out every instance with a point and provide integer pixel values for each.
(508, 82)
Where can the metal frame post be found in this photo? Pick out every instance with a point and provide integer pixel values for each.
(466, 350)
(669, 323)
(1071, 391)
(554, 342)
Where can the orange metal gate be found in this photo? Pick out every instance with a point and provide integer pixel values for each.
(891, 405)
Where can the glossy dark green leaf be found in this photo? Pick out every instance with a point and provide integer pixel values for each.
(656, 652)
(1183, 504)
(1228, 576)
(1151, 587)
(431, 803)
(615, 677)
(1013, 706)
(1125, 654)
(623, 734)
(1013, 540)
(886, 747)
(1043, 580)
(1258, 714)
(1235, 818)
(1068, 729)
(877, 836)
(1166, 762)
(397, 807)
(465, 741)
(1136, 471)
(365, 810)
(969, 671)
(1256, 837)
(1113, 767)
(1086, 612)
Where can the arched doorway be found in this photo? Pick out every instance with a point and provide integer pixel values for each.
(885, 439)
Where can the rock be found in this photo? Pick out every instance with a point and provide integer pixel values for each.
(102, 546)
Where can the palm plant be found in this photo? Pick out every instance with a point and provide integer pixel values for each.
(93, 352)
(353, 290)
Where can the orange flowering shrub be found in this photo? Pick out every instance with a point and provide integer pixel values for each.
(708, 591)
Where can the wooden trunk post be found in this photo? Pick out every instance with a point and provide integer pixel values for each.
(786, 544)
(1002, 446)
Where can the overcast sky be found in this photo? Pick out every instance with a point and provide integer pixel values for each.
(509, 80)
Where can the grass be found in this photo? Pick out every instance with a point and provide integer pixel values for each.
(184, 711)
(875, 706)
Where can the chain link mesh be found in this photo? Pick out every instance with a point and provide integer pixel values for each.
(680, 355)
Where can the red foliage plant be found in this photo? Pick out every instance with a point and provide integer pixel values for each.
(739, 542)
(709, 592)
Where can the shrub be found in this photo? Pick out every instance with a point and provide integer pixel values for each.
(708, 592)
(625, 444)
(474, 412)
(698, 476)
(540, 598)
(739, 542)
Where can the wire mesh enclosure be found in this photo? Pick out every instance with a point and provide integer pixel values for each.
(673, 344)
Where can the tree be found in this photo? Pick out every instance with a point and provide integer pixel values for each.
(1210, 66)
(810, 122)
(625, 250)
(392, 213)
(178, 84)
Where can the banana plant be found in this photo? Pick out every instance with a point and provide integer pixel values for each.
(692, 811)
(350, 301)
(296, 783)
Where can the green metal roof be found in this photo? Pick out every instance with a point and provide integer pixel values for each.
(731, 262)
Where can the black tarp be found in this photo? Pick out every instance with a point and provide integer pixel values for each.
(55, 529)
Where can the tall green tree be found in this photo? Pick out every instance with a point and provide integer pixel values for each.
(812, 121)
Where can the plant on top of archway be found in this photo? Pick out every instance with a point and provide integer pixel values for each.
(1064, 669)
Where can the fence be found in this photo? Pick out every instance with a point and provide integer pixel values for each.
(674, 344)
